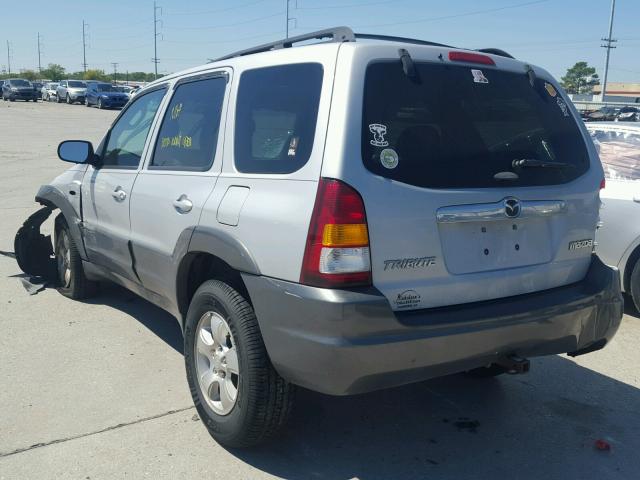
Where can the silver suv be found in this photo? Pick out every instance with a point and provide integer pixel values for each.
(350, 215)
(71, 91)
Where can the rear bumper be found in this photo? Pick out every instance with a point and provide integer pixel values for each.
(343, 342)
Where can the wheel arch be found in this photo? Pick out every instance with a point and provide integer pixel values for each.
(628, 262)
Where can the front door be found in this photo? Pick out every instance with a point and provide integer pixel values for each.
(180, 175)
(106, 190)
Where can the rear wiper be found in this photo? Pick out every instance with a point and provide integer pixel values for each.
(534, 163)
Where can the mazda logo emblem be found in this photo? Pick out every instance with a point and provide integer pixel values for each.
(512, 207)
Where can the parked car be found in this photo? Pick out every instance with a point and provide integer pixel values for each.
(105, 95)
(628, 114)
(37, 87)
(602, 114)
(18, 89)
(619, 237)
(49, 91)
(71, 91)
(381, 213)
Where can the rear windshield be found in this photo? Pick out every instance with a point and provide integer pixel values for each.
(76, 84)
(453, 126)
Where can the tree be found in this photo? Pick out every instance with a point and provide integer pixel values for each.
(53, 72)
(96, 75)
(580, 78)
(28, 75)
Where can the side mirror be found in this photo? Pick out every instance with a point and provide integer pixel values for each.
(76, 151)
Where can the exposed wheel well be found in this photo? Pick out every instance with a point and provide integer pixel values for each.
(628, 269)
(198, 267)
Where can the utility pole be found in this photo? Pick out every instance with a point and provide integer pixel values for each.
(39, 64)
(8, 58)
(289, 18)
(608, 46)
(115, 71)
(155, 58)
(84, 46)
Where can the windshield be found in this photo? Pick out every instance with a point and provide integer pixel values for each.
(105, 87)
(457, 127)
(20, 83)
(76, 84)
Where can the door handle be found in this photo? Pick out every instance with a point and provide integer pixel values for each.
(182, 204)
(119, 194)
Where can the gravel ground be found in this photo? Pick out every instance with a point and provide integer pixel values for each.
(97, 389)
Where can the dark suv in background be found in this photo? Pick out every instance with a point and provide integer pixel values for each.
(18, 89)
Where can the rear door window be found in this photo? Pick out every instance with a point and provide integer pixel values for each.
(458, 127)
(276, 114)
(189, 133)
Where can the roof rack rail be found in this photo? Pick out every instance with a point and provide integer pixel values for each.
(372, 36)
(337, 34)
(495, 51)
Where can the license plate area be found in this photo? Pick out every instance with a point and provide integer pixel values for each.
(471, 247)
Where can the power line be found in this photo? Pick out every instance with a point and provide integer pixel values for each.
(608, 46)
(155, 58)
(226, 25)
(220, 10)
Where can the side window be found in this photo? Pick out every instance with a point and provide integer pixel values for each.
(276, 114)
(189, 133)
(127, 137)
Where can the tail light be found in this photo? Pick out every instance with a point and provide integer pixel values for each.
(603, 183)
(471, 58)
(337, 251)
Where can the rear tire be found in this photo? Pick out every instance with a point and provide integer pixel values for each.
(72, 281)
(634, 285)
(256, 404)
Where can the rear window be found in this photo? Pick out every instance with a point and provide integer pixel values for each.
(276, 114)
(457, 127)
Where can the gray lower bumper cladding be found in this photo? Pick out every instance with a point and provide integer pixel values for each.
(343, 342)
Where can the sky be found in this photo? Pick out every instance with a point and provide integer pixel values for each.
(553, 34)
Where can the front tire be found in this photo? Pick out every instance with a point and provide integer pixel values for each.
(68, 99)
(72, 281)
(100, 106)
(239, 396)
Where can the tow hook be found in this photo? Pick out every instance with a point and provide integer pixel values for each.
(514, 365)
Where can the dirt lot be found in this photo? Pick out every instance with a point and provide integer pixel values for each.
(97, 389)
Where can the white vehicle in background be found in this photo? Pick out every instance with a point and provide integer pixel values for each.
(619, 237)
(49, 91)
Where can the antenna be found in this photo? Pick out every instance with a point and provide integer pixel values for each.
(155, 58)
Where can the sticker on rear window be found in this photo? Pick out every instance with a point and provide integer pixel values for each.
(562, 106)
(379, 131)
(550, 90)
(389, 158)
(479, 77)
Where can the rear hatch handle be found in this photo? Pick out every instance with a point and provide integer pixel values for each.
(508, 207)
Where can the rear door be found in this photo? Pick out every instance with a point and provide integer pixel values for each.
(170, 191)
(435, 149)
(620, 155)
(106, 191)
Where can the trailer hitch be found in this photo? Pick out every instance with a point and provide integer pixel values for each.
(514, 365)
(34, 251)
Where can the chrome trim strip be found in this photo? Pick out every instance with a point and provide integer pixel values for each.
(490, 212)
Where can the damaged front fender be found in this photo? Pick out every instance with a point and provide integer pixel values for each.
(34, 251)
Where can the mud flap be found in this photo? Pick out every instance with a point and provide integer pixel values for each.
(34, 251)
